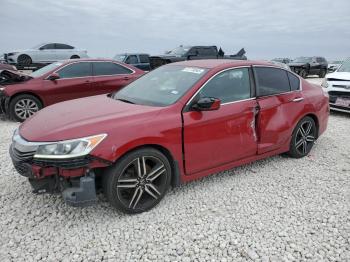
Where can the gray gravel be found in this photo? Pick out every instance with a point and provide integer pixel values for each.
(278, 209)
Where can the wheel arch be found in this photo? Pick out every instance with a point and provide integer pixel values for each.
(176, 175)
(27, 93)
(315, 118)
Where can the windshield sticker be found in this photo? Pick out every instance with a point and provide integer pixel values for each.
(193, 70)
(175, 92)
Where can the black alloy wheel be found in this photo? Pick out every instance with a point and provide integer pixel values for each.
(138, 181)
(24, 60)
(303, 138)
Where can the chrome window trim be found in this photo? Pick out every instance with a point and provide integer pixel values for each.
(206, 82)
(132, 71)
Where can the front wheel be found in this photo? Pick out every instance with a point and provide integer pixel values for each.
(138, 181)
(303, 138)
(24, 106)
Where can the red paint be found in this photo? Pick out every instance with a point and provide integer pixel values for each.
(201, 143)
(54, 91)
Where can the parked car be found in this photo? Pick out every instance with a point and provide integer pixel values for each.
(183, 53)
(305, 66)
(177, 123)
(44, 53)
(283, 60)
(337, 85)
(334, 65)
(60, 81)
(140, 61)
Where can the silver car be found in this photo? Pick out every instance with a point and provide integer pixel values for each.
(44, 53)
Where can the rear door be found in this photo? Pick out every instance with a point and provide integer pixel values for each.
(63, 51)
(75, 81)
(214, 138)
(281, 103)
(109, 77)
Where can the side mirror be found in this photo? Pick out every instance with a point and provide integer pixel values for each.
(207, 104)
(53, 76)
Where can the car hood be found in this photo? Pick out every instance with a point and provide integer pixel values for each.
(8, 77)
(84, 117)
(339, 75)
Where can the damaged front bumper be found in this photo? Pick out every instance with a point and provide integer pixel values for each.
(74, 178)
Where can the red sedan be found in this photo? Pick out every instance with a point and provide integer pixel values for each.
(177, 123)
(63, 81)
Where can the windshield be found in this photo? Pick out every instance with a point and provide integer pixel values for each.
(181, 50)
(302, 59)
(120, 58)
(45, 69)
(345, 67)
(162, 86)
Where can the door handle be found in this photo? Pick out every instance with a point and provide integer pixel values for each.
(126, 78)
(298, 99)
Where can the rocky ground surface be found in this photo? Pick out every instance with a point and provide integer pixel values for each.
(278, 209)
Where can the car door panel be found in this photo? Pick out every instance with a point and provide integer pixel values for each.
(108, 84)
(214, 138)
(276, 119)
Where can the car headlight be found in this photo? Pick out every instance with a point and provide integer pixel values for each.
(2, 88)
(69, 148)
(324, 83)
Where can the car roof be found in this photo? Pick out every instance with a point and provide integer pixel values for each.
(221, 63)
(132, 54)
(88, 60)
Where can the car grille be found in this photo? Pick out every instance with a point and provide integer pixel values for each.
(23, 156)
(333, 95)
(342, 86)
(22, 161)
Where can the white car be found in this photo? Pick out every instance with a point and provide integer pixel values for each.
(44, 53)
(337, 85)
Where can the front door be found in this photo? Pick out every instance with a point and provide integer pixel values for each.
(214, 138)
(281, 105)
(75, 81)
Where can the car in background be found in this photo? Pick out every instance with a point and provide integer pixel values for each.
(305, 66)
(283, 65)
(138, 60)
(283, 60)
(44, 53)
(61, 81)
(337, 84)
(334, 65)
(177, 123)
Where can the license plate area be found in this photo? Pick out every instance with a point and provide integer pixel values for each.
(341, 101)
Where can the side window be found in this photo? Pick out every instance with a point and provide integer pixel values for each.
(271, 81)
(228, 86)
(75, 70)
(108, 68)
(132, 59)
(319, 60)
(48, 46)
(144, 58)
(63, 46)
(294, 82)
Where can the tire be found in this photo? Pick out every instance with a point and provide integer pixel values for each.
(24, 60)
(24, 106)
(74, 57)
(130, 187)
(303, 73)
(322, 73)
(303, 138)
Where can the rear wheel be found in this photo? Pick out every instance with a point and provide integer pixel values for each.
(303, 73)
(24, 60)
(138, 181)
(24, 106)
(303, 138)
(322, 73)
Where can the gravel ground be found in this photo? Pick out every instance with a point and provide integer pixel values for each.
(278, 209)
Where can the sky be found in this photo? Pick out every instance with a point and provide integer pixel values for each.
(266, 29)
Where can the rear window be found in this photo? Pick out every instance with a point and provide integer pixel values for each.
(293, 81)
(108, 68)
(271, 81)
(144, 58)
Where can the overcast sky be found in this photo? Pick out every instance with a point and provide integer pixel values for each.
(266, 29)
